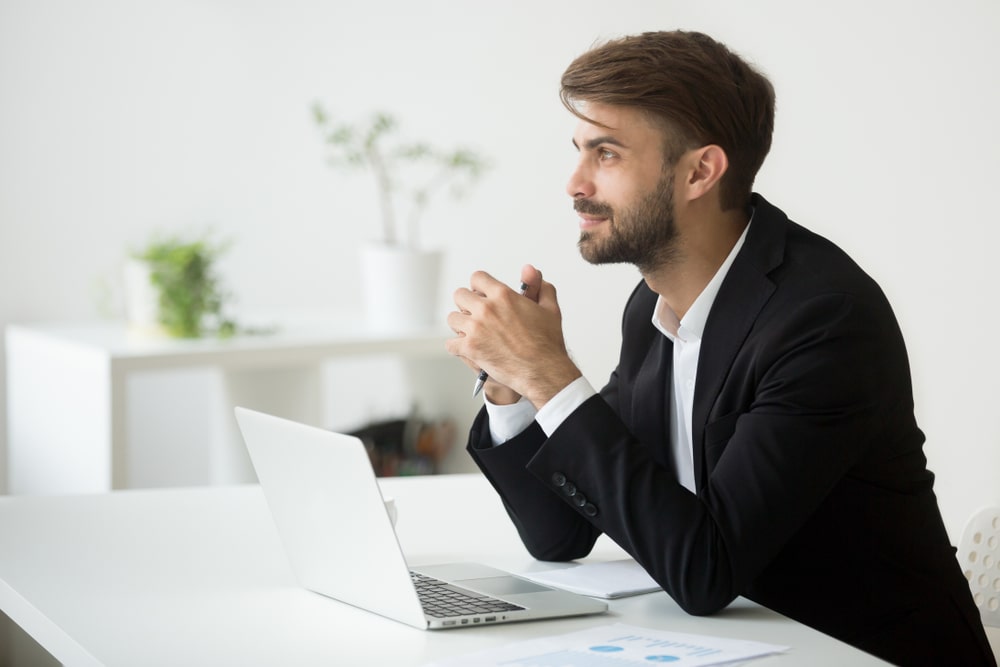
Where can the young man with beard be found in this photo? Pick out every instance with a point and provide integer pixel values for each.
(757, 437)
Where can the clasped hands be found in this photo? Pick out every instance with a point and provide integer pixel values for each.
(517, 339)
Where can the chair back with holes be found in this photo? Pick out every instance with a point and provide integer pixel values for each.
(979, 556)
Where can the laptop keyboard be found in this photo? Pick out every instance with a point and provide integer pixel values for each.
(441, 599)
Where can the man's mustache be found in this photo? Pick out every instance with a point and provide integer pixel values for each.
(590, 207)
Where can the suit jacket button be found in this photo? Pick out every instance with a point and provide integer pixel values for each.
(590, 509)
(580, 500)
(569, 489)
(559, 479)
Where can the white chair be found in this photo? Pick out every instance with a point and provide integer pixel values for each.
(979, 556)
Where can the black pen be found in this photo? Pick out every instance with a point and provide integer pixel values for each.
(483, 375)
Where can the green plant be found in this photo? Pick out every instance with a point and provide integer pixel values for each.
(190, 298)
(414, 170)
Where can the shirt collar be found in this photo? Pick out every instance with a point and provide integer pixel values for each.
(692, 325)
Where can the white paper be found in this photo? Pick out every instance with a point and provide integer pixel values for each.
(615, 646)
(614, 579)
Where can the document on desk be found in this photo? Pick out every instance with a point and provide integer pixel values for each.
(613, 579)
(616, 645)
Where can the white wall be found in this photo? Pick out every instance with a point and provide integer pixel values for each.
(118, 118)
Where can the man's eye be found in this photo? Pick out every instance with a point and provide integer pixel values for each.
(606, 154)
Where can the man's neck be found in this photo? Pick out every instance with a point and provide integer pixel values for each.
(702, 246)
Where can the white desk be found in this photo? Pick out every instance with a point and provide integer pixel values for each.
(198, 577)
(68, 391)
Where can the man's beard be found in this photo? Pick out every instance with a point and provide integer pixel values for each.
(644, 234)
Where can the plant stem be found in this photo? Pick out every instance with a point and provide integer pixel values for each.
(422, 196)
(384, 185)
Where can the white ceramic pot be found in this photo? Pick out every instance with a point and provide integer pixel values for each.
(400, 287)
(142, 299)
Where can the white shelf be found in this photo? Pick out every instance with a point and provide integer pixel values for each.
(71, 388)
(306, 338)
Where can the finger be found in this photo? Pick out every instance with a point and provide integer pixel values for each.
(485, 284)
(456, 348)
(466, 299)
(472, 366)
(451, 347)
(456, 322)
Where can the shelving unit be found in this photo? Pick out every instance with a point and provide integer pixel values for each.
(74, 390)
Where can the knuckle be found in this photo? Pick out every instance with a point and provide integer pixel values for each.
(472, 329)
(489, 308)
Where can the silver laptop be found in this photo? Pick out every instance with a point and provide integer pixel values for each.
(339, 538)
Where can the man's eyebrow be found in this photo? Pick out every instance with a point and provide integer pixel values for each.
(591, 144)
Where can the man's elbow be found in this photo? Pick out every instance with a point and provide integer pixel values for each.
(559, 549)
(703, 600)
(700, 606)
(556, 553)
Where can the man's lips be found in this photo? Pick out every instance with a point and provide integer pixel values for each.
(592, 213)
(590, 221)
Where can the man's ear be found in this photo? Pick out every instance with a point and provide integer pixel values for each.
(706, 166)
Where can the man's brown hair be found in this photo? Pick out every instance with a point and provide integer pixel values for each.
(697, 88)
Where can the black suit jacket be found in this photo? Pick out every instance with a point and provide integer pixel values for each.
(813, 496)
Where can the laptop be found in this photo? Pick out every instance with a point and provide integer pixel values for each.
(339, 538)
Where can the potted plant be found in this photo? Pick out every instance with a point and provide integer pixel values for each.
(399, 276)
(172, 289)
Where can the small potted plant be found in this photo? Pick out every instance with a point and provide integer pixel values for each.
(399, 276)
(172, 288)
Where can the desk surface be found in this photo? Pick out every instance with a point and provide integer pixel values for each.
(198, 577)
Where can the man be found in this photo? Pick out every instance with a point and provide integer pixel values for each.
(757, 437)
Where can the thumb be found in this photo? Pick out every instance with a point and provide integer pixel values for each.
(532, 279)
(547, 296)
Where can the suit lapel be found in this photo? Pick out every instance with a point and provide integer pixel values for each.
(743, 294)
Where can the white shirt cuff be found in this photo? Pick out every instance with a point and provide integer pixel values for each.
(563, 404)
(506, 421)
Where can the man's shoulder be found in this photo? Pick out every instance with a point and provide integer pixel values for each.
(793, 254)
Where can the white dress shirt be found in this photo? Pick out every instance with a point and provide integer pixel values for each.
(506, 421)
